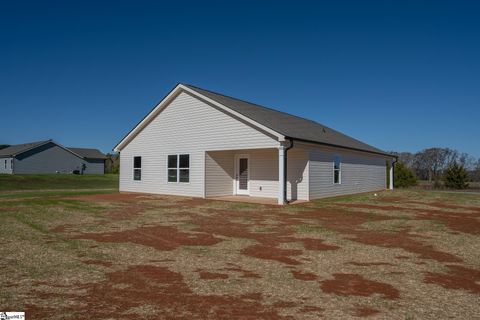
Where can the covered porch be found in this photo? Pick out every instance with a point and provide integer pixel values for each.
(248, 175)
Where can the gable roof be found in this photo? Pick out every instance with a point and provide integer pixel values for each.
(285, 125)
(88, 153)
(290, 126)
(83, 153)
(19, 148)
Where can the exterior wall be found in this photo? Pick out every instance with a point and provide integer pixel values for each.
(6, 165)
(297, 173)
(360, 172)
(263, 167)
(94, 166)
(219, 173)
(186, 126)
(50, 158)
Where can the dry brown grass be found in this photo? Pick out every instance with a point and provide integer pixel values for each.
(402, 254)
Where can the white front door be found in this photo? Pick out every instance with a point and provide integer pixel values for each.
(242, 175)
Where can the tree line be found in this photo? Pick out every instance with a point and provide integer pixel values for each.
(439, 166)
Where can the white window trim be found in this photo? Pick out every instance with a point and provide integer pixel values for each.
(134, 168)
(178, 168)
(339, 170)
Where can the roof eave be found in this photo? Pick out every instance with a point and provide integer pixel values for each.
(386, 154)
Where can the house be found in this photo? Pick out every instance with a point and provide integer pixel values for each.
(203, 144)
(50, 157)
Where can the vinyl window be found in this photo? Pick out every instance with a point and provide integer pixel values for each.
(178, 168)
(137, 168)
(337, 170)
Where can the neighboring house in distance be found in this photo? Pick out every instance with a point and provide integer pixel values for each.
(50, 157)
(204, 144)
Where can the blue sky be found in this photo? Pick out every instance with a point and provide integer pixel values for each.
(400, 75)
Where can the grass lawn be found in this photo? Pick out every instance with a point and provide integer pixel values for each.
(399, 255)
(42, 182)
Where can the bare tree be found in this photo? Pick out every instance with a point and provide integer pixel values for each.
(432, 161)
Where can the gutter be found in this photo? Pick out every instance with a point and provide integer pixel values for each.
(341, 147)
(285, 177)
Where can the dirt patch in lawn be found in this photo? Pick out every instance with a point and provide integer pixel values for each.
(212, 275)
(305, 276)
(245, 273)
(369, 264)
(364, 312)
(272, 253)
(222, 223)
(457, 277)
(98, 263)
(123, 292)
(345, 284)
(350, 224)
(159, 237)
(467, 222)
(405, 241)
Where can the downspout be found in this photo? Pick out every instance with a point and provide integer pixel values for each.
(395, 160)
(285, 177)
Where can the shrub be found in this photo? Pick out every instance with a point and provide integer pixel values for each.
(455, 177)
(403, 176)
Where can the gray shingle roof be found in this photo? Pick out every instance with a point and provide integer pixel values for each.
(289, 125)
(88, 153)
(19, 148)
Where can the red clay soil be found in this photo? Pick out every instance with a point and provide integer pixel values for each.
(267, 248)
(308, 309)
(365, 312)
(466, 222)
(368, 264)
(272, 253)
(98, 263)
(457, 277)
(317, 244)
(305, 276)
(404, 241)
(350, 224)
(212, 275)
(162, 289)
(284, 304)
(356, 285)
(245, 273)
(443, 205)
(159, 237)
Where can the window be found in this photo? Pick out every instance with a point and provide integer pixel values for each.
(178, 168)
(5, 164)
(337, 170)
(137, 168)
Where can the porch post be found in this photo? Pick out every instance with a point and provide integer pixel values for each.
(281, 174)
(391, 175)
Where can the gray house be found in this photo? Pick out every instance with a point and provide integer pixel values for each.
(204, 144)
(50, 157)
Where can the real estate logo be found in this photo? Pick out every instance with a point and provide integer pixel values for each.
(12, 315)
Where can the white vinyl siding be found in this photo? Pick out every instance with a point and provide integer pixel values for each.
(263, 166)
(219, 173)
(186, 126)
(360, 172)
(297, 173)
